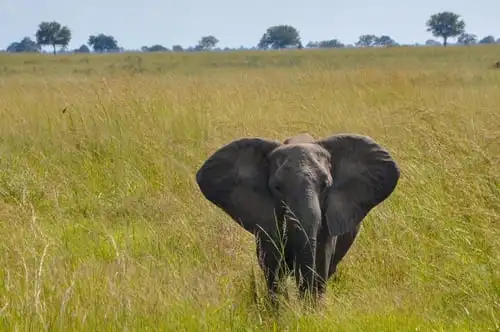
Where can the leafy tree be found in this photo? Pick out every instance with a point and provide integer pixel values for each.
(366, 41)
(206, 43)
(445, 25)
(154, 48)
(103, 43)
(52, 33)
(280, 36)
(333, 43)
(487, 40)
(25, 45)
(177, 48)
(385, 41)
(467, 39)
(83, 49)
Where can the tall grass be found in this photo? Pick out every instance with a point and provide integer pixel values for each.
(103, 227)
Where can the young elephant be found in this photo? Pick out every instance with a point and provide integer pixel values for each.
(318, 191)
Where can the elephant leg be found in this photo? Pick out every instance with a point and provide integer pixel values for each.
(342, 246)
(324, 254)
(272, 264)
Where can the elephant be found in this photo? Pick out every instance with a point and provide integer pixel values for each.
(313, 193)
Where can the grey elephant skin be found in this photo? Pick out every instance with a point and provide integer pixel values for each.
(316, 192)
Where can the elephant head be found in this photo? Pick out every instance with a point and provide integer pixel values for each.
(321, 188)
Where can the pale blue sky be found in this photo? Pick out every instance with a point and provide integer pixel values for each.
(147, 22)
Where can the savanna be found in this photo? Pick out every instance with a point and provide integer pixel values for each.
(103, 227)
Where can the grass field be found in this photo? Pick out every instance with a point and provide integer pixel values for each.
(103, 227)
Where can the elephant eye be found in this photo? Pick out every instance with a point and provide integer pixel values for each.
(276, 188)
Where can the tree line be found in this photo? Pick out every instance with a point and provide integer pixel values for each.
(444, 25)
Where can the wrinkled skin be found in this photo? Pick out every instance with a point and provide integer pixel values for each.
(303, 199)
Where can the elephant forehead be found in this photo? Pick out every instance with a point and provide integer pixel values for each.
(308, 160)
(300, 138)
(303, 152)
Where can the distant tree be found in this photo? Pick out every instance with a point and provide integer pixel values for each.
(25, 45)
(103, 43)
(83, 49)
(177, 48)
(333, 43)
(154, 48)
(498, 41)
(280, 36)
(52, 33)
(487, 40)
(312, 44)
(207, 43)
(445, 25)
(467, 39)
(366, 41)
(432, 42)
(385, 41)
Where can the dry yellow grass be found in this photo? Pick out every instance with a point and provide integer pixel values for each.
(104, 228)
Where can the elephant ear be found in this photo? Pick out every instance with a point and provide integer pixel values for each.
(364, 174)
(235, 179)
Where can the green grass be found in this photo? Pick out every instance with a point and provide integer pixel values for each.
(103, 227)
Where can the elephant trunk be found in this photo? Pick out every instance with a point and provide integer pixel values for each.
(308, 219)
(306, 262)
